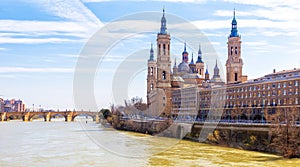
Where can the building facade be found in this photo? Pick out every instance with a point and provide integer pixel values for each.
(188, 93)
(1, 105)
(12, 106)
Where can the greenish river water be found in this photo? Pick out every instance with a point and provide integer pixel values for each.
(79, 143)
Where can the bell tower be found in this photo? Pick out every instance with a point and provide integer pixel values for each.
(200, 63)
(234, 63)
(151, 76)
(163, 56)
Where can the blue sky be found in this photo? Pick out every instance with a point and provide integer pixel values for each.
(40, 41)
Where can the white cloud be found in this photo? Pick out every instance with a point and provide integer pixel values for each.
(267, 3)
(34, 70)
(34, 40)
(77, 22)
(184, 1)
(229, 13)
(72, 10)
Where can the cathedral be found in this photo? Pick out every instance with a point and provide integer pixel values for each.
(163, 82)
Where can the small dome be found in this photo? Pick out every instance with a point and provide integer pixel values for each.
(183, 67)
(177, 79)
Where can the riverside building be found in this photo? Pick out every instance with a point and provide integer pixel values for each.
(187, 92)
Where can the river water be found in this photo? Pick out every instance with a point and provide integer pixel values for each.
(82, 143)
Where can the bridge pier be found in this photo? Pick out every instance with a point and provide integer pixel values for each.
(96, 118)
(26, 117)
(47, 117)
(70, 117)
(3, 117)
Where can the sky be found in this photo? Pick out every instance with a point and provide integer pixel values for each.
(42, 41)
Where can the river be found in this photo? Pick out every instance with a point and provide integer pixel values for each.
(82, 143)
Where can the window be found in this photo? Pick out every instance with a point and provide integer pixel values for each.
(284, 84)
(296, 83)
(151, 71)
(284, 92)
(164, 49)
(159, 48)
(278, 85)
(164, 75)
(151, 86)
(235, 76)
(274, 93)
(231, 50)
(236, 50)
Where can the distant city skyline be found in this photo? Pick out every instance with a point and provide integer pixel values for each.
(40, 42)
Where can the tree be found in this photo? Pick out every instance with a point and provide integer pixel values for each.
(285, 132)
(106, 113)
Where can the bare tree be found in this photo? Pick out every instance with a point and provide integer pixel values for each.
(285, 131)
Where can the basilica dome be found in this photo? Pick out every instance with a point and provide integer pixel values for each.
(183, 67)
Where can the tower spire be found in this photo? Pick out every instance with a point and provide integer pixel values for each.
(233, 13)
(185, 54)
(206, 74)
(163, 27)
(216, 69)
(192, 61)
(199, 60)
(151, 53)
(234, 31)
(175, 64)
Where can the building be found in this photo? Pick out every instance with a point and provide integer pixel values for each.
(13, 106)
(1, 105)
(188, 93)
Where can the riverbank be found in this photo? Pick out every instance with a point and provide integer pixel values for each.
(252, 139)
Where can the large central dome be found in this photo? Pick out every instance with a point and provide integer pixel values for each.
(183, 67)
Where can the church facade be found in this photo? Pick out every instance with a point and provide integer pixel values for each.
(186, 91)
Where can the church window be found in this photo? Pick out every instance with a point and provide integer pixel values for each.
(164, 75)
(236, 50)
(151, 71)
(159, 48)
(235, 76)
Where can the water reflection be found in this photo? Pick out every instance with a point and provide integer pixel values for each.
(60, 143)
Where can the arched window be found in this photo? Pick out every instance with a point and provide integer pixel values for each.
(151, 71)
(164, 75)
(235, 76)
(236, 50)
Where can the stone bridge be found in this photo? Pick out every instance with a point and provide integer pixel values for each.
(47, 115)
